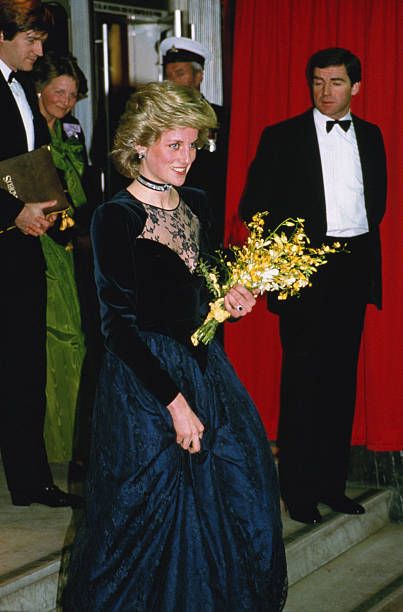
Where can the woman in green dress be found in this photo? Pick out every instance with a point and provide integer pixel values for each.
(59, 84)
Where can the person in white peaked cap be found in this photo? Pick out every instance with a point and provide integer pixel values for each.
(183, 60)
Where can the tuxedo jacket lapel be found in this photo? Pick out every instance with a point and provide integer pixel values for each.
(371, 165)
(309, 157)
(13, 141)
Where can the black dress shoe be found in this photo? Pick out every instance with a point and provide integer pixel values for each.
(48, 496)
(344, 505)
(305, 514)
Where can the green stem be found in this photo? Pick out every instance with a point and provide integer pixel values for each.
(269, 237)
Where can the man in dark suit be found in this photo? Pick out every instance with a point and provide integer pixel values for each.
(328, 167)
(184, 60)
(23, 29)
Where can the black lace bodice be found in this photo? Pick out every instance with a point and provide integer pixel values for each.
(178, 229)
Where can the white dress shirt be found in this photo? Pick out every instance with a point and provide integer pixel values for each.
(23, 106)
(342, 177)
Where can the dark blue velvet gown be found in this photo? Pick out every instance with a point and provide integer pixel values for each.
(166, 531)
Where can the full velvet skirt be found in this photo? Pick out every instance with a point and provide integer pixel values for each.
(166, 531)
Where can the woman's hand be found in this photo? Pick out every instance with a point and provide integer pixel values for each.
(189, 429)
(239, 301)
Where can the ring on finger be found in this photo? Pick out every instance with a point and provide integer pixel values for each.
(239, 308)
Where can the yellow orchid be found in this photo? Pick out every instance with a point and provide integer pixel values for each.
(276, 262)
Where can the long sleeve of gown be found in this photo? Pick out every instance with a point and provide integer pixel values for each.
(114, 232)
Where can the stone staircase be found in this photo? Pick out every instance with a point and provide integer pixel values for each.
(33, 587)
(347, 564)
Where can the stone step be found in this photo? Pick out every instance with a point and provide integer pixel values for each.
(308, 548)
(366, 578)
(31, 541)
(31, 588)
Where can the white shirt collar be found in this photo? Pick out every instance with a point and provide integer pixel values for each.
(320, 119)
(6, 70)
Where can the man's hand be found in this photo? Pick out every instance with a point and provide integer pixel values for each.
(32, 220)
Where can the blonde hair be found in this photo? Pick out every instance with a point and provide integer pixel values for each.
(153, 109)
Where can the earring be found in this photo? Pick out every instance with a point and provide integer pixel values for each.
(141, 156)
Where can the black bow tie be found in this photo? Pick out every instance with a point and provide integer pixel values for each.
(345, 124)
(12, 76)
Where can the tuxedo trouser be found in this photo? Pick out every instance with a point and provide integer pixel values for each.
(320, 336)
(23, 382)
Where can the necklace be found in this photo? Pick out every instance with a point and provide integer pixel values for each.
(152, 184)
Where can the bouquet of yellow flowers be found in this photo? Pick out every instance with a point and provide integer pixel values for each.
(276, 262)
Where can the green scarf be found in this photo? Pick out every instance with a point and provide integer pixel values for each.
(68, 156)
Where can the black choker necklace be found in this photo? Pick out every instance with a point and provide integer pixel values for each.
(152, 185)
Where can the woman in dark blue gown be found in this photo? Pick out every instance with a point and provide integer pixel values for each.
(182, 497)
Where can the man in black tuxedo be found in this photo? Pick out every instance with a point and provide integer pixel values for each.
(328, 167)
(184, 60)
(23, 29)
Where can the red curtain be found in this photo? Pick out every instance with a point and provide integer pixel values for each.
(272, 42)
